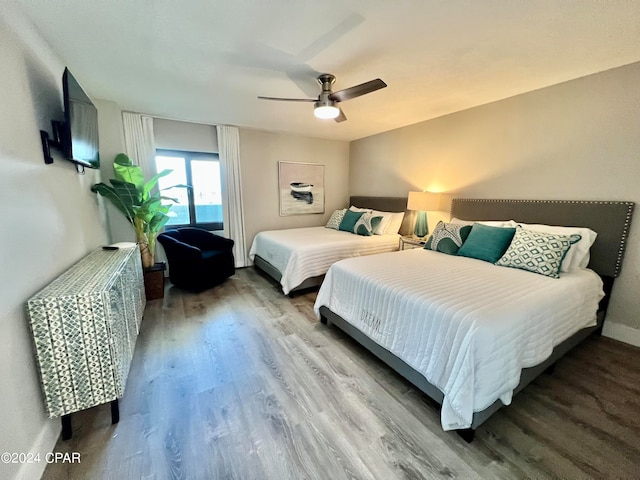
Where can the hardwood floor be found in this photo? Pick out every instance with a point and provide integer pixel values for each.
(242, 382)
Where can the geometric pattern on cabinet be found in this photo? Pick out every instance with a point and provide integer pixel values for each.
(84, 326)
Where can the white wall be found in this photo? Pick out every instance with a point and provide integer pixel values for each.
(50, 219)
(260, 152)
(111, 133)
(576, 140)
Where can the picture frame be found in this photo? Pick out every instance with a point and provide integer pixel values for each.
(300, 188)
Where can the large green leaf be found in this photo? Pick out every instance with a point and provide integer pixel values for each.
(148, 209)
(122, 159)
(173, 199)
(152, 183)
(126, 171)
(158, 221)
(127, 192)
(110, 193)
(153, 204)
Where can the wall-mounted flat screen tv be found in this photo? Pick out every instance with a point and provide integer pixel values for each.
(80, 142)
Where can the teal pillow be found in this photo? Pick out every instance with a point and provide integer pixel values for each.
(349, 221)
(487, 243)
(447, 237)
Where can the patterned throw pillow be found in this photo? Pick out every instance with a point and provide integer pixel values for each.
(537, 252)
(336, 218)
(366, 224)
(447, 237)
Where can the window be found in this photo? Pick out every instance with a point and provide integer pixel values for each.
(200, 205)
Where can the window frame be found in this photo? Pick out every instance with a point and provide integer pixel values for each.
(189, 156)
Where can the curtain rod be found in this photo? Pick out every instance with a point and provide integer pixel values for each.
(160, 117)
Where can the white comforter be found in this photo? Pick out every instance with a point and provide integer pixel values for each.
(468, 326)
(301, 253)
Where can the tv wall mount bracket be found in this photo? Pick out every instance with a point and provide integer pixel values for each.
(55, 142)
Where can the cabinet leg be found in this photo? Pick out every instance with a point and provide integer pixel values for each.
(66, 427)
(115, 412)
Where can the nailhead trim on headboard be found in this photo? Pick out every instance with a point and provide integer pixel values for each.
(625, 233)
(621, 226)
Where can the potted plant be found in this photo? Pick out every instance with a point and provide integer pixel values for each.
(141, 204)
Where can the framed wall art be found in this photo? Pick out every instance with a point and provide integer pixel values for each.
(301, 188)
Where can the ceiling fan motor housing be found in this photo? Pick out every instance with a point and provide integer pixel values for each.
(324, 107)
(326, 80)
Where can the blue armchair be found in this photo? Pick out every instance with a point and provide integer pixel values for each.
(198, 259)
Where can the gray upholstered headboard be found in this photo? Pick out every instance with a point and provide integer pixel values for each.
(610, 220)
(386, 204)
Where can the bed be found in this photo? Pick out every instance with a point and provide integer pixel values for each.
(468, 342)
(298, 258)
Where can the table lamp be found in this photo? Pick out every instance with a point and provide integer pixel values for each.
(421, 202)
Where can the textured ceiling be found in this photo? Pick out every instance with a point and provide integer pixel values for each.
(207, 60)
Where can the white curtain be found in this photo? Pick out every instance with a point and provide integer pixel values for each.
(139, 142)
(233, 211)
(140, 147)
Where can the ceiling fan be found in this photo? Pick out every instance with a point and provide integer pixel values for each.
(325, 104)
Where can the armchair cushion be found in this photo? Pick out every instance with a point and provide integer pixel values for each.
(198, 259)
(204, 239)
(171, 243)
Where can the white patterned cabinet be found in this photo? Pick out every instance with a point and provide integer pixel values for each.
(85, 324)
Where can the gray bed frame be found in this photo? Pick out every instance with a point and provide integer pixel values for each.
(383, 204)
(610, 220)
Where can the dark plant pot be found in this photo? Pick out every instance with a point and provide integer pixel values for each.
(154, 281)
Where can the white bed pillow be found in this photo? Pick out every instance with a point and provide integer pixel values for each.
(358, 209)
(384, 223)
(577, 258)
(489, 223)
(394, 223)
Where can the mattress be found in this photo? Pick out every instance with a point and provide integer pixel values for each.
(468, 326)
(301, 253)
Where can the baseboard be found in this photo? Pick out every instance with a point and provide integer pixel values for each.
(622, 333)
(44, 444)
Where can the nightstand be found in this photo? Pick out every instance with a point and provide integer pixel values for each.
(409, 241)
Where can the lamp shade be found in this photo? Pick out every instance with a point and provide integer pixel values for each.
(423, 201)
(326, 108)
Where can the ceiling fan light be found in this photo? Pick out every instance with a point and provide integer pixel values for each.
(326, 111)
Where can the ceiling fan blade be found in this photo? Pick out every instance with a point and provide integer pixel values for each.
(358, 90)
(305, 78)
(340, 118)
(288, 99)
